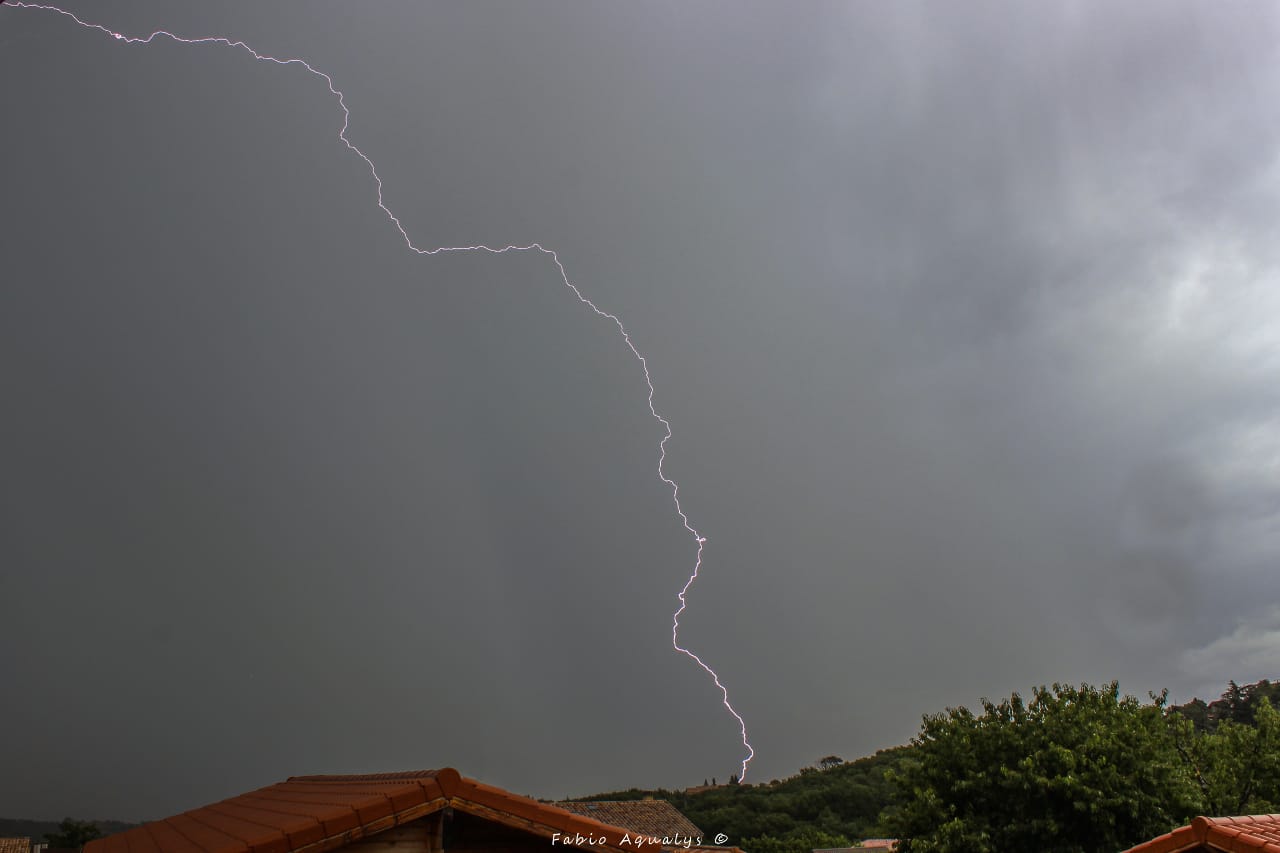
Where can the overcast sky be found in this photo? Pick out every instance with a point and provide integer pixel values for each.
(965, 318)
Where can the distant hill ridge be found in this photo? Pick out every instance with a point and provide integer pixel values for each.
(37, 829)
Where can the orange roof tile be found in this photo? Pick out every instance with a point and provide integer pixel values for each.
(1231, 834)
(312, 814)
(15, 845)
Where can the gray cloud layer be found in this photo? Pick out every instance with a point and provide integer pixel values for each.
(963, 318)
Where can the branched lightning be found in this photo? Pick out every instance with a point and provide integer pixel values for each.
(698, 538)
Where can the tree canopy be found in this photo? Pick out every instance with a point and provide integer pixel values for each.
(1073, 770)
(1236, 766)
(73, 833)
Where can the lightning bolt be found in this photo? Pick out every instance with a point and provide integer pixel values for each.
(698, 538)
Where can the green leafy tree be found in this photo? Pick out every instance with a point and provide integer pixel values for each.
(1237, 705)
(1197, 713)
(1236, 767)
(73, 833)
(1074, 770)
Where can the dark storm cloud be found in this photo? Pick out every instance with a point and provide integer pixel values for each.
(1078, 258)
(963, 318)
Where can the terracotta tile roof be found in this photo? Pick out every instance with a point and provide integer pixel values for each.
(1233, 834)
(311, 814)
(650, 817)
(15, 845)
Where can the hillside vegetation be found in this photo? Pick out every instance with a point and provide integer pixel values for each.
(1067, 769)
(829, 806)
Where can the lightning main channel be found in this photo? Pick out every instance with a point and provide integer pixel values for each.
(698, 538)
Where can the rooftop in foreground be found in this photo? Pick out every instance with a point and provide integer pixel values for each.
(1219, 835)
(425, 811)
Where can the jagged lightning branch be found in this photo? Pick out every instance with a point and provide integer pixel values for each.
(626, 336)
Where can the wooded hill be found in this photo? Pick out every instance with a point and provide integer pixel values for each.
(1071, 769)
(818, 807)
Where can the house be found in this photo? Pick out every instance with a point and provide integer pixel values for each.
(654, 818)
(15, 845)
(657, 819)
(1214, 834)
(428, 811)
(650, 817)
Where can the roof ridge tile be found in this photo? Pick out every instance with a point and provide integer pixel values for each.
(1236, 833)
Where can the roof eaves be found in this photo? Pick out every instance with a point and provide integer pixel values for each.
(333, 842)
(494, 804)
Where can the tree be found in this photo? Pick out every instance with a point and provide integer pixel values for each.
(1236, 705)
(1197, 711)
(1236, 767)
(1074, 770)
(73, 833)
(830, 762)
